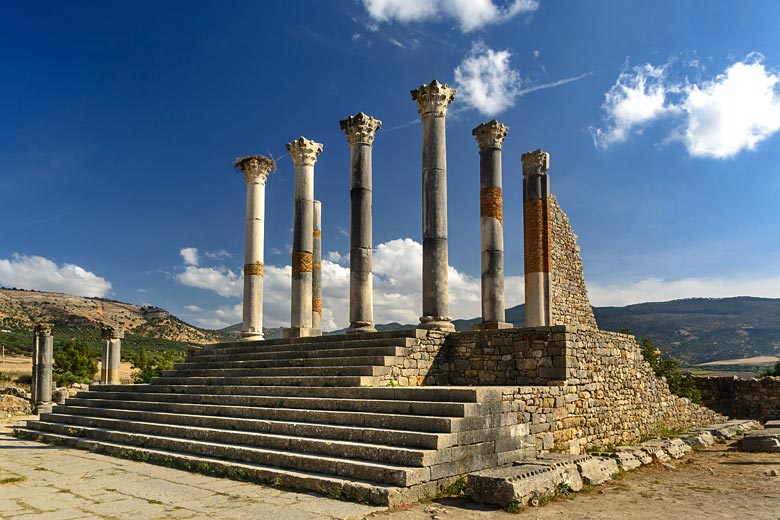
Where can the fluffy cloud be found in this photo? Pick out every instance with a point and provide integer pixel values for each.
(659, 289)
(470, 14)
(717, 118)
(220, 280)
(638, 97)
(42, 274)
(189, 255)
(486, 81)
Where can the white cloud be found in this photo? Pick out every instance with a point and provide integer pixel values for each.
(470, 14)
(42, 274)
(189, 255)
(659, 289)
(219, 254)
(220, 280)
(486, 81)
(717, 118)
(638, 97)
(193, 308)
(734, 112)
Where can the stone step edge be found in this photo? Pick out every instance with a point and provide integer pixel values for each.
(112, 424)
(344, 467)
(324, 371)
(331, 338)
(293, 362)
(352, 490)
(348, 381)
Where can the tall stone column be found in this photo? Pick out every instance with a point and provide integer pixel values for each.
(433, 100)
(360, 130)
(536, 231)
(112, 355)
(304, 153)
(490, 137)
(43, 380)
(316, 274)
(35, 350)
(255, 169)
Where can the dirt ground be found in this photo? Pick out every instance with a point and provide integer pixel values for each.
(716, 483)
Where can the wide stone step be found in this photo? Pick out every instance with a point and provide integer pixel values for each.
(323, 343)
(420, 423)
(403, 393)
(383, 436)
(351, 489)
(270, 381)
(392, 351)
(399, 455)
(295, 362)
(281, 371)
(440, 409)
(385, 473)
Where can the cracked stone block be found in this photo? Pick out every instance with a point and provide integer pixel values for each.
(767, 440)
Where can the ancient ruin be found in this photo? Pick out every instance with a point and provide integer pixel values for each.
(111, 355)
(387, 417)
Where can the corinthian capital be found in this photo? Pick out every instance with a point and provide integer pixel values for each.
(433, 98)
(490, 134)
(360, 128)
(535, 163)
(255, 167)
(304, 151)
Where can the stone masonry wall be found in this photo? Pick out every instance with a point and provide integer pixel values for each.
(757, 399)
(569, 299)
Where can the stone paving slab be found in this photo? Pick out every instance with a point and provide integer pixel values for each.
(62, 483)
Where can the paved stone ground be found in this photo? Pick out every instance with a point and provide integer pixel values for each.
(41, 482)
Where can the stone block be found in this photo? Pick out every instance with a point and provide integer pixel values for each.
(625, 459)
(767, 440)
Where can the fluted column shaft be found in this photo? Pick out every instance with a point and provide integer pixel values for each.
(361, 130)
(303, 153)
(316, 274)
(255, 169)
(537, 245)
(45, 360)
(433, 100)
(490, 137)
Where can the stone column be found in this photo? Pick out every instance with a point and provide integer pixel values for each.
(112, 355)
(304, 153)
(360, 130)
(316, 274)
(536, 231)
(433, 100)
(255, 169)
(35, 353)
(490, 137)
(43, 382)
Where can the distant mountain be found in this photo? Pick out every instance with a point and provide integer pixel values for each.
(695, 330)
(76, 316)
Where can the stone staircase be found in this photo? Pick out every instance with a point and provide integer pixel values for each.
(299, 414)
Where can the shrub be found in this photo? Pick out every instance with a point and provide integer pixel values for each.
(74, 364)
(149, 365)
(679, 384)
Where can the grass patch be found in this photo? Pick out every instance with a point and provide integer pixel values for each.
(456, 489)
(12, 480)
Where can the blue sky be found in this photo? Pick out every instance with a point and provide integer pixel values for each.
(119, 125)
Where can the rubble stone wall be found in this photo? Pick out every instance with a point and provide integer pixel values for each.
(757, 399)
(569, 301)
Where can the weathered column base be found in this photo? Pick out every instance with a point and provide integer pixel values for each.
(252, 336)
(43, 408)
(360, 327)
(493, 325)
(441, 323)
(300, 332)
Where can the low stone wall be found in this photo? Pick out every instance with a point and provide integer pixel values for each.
(574, 387)
(757, 399)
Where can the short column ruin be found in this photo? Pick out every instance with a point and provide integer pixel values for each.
(536, 234)
(43, 373)
(255, 169)
(112, 354)
(432, 100)
(316, 274)
(360, 130)
(490, 137)
(304, 153)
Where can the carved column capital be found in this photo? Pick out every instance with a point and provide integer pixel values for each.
(255, 167)
(43, 329)
(304, 152)
(433, 98)
(360, 128)
(490, 134)
(535, 163)
(109, 332)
